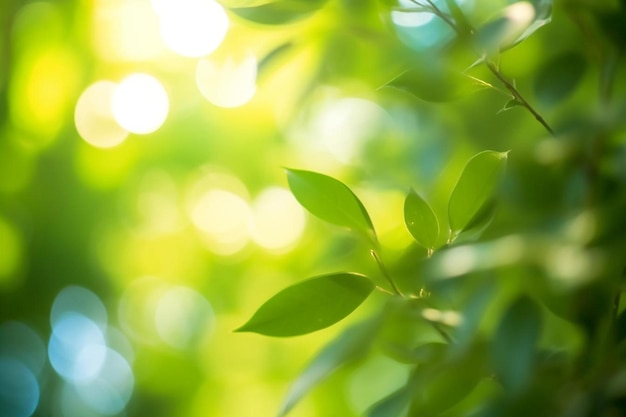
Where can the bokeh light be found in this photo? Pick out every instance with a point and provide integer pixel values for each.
(230, 83)
(410, 18)
(140, 104)
(75, 299)
(93, 116)
(19, 389)
(222, 218)
(182, 316)
(109, 392)
(342, 126)
(191, 28)
(77, 348)
(126, 31)
(278, 219)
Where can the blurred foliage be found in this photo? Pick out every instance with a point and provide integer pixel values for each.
(140, 227)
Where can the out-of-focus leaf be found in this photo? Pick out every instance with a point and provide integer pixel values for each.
(330, 200)
(433, 83)
(474, 188)
(270, 58)
(444, 385)
(543, 16)
(393, 405)
(558, 77)
(310, 305)
(504, 30)
(513, 347)
(279, 12)
(351, 345)
(479, 223)
(421, 220)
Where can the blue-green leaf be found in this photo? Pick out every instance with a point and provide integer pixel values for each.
(310, 305)
(474, 188)
(421, 220)
(330, 200)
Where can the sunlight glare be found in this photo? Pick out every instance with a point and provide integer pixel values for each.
(228, 84)
(410, 18)
(279, 220)
(93, 116)
(223, 219)
(182, 317)
(140, 104)
(191, 28)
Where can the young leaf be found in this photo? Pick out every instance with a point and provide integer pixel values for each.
(474, 188)
(421, 220)
(502, 32)
(514, 343)
(349, 346)
(310, 305)
(330, 200)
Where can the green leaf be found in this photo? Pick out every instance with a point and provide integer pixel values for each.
(349, 346)
(443, 385)
(421, 220)
(509, 105)
(474, 188)
(330, 200)
(479, 223)
(393, 405)
(433, 83)
(558, 77)
(543, 16)
(513, 347)
(279, 12)
(502, 32)
(310, 305)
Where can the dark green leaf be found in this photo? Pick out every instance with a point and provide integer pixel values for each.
(351, 345)
(558, 77)
(310, 305)
(474, 188)
(279, 12)
(514, 343)
(444, 385)
(421, 220)
(330, 200)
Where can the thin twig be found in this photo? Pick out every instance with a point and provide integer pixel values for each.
(518, 96)
(385, 273)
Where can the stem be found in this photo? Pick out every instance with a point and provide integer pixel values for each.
(518, 96)
(442, 332)
(386, 274)
(463, 28)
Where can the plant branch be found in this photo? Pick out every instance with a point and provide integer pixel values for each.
(518, 96)
(383, 270)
